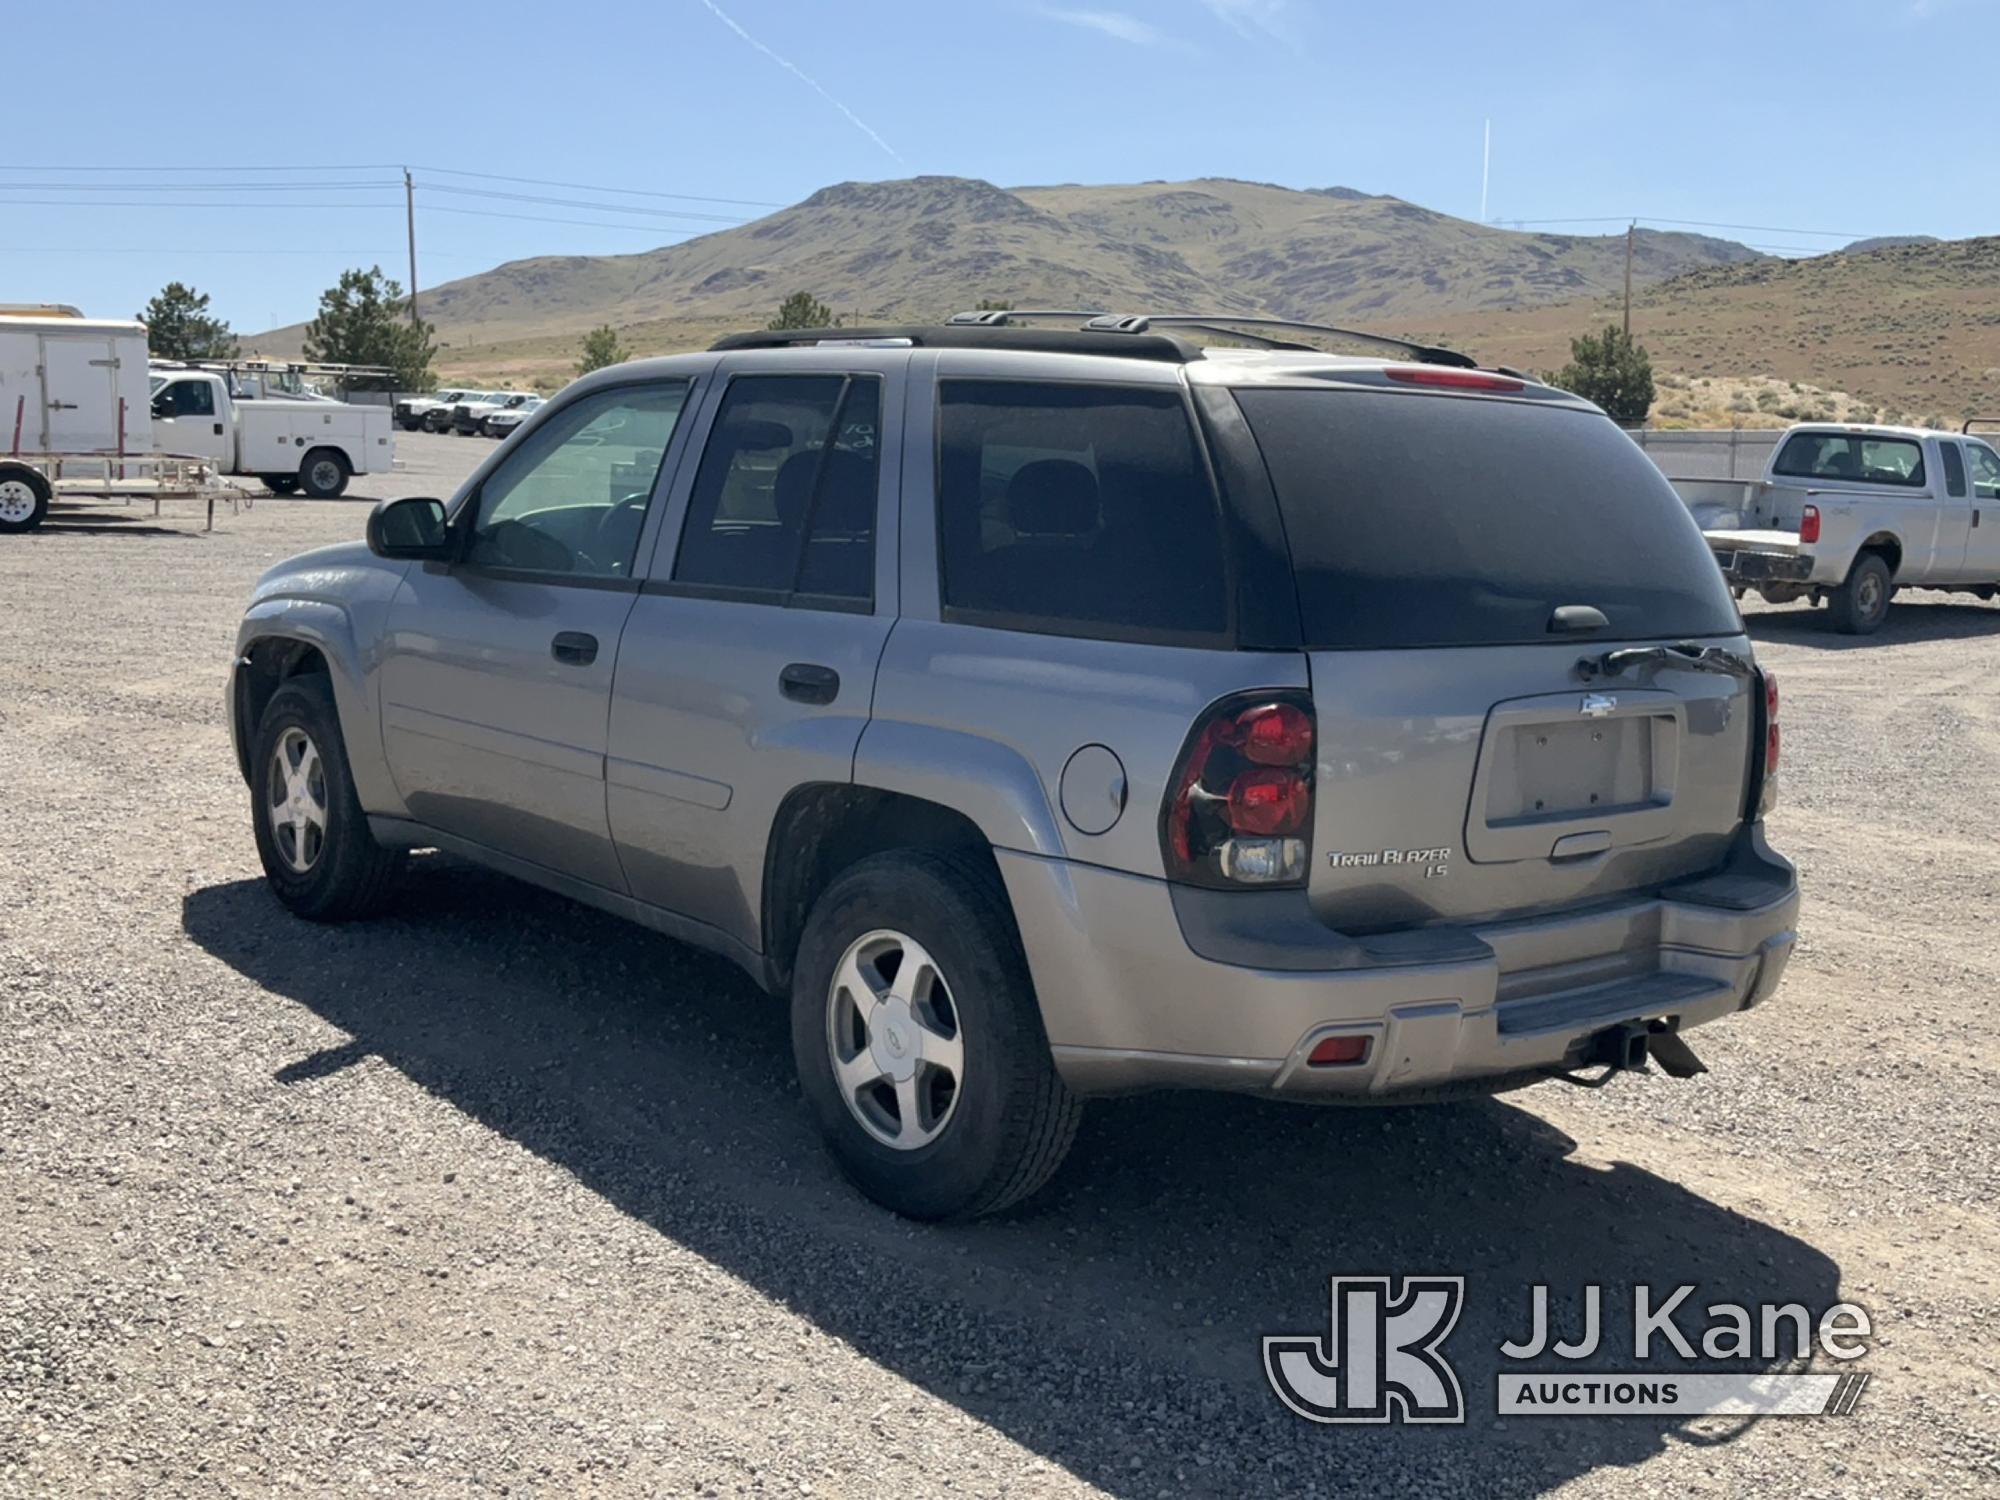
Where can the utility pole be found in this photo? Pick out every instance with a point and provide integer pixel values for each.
(1631, 230)
(410, 218)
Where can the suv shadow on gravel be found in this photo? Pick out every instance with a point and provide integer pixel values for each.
(1112, 1327)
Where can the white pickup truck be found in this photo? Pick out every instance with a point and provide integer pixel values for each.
(308, 444)
(1848, 515)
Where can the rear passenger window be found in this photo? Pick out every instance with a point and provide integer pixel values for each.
(784, 502)
(1076, 509)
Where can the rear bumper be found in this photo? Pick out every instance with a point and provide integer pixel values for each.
(1130, 1003)
(1750, 567)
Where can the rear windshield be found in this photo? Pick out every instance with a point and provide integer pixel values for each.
(1467, 521)
(1843, 455)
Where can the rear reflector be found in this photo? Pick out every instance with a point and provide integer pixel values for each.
(1464, 380)
(1338, 1051)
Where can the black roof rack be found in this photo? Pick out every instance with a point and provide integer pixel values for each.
(1130, 334)
(967, 335)
(1228, 325)
(1972, 422)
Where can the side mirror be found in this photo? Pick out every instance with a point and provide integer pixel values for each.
(410, 528)
(161, 411)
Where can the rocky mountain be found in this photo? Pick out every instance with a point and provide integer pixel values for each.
(924, 247)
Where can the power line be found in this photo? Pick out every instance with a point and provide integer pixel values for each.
(586, 187)
(488, 213)
(351, 255)
(1644, 219)
(173, 203)
(345, 167)
(183, 187)
(616, 208)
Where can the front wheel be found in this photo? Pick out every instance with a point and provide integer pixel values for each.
(1861, 604)
(323, 474)
(919, 1042)
(312, 836)
(24, 499)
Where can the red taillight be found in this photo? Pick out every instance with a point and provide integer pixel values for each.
(1240, 806)
(1463, 380)
(1278, 735)
(1767, 797)
(1809, 524)
(1269, 801)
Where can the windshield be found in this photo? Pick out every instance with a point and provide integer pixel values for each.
(1467, 521)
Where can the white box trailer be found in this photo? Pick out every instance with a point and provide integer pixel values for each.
(62, 381)
(75, 419)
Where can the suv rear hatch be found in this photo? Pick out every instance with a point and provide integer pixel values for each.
(1457, 556)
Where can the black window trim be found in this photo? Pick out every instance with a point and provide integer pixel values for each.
(794, 597)
(467, 507)
(1063, 626)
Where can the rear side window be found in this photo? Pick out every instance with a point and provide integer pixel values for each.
(784, 502)
(1954, 470)
(1077, 509)
(1851, 456)
(1466, 521)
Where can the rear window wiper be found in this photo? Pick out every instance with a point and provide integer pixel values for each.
(1679, 654)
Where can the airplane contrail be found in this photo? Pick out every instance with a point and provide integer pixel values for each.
(796, 71)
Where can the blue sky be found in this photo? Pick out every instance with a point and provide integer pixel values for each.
(1850, 116)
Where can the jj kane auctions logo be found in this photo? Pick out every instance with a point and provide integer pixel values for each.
(1382, 1359)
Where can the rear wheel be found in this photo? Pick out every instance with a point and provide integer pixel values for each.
(323, 473)
(919, 1043)
(24, 499)
(312, 836)
(1861, 604)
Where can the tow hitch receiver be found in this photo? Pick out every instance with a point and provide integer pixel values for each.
(1628, 1048)
(1622, 1049)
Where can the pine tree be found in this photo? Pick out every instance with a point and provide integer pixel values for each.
(178, 326)
(362, 321)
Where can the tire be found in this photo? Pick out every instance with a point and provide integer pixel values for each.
(1860, 605)
(24, 499)
(1002, 1123)
(279, 484)
(341, 873)
(323, 473)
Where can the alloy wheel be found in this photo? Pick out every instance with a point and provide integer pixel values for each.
(893, 1035)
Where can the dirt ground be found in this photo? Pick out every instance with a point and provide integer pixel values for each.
(499, 1196)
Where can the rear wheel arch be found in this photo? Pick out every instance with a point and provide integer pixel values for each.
(1888, 546)
(826, 828)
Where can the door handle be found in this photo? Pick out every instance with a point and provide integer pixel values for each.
(218, 429)
(574, 648)
(807, 683)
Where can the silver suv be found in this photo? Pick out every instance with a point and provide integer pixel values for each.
(1050, 712)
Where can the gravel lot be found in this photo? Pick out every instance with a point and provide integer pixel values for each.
(500, 1196)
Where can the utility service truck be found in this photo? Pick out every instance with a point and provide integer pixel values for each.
(289, 441)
